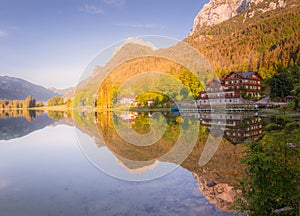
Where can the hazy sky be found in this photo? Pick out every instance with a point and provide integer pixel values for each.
(50, 42)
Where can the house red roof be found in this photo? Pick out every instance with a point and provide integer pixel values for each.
(215, 83)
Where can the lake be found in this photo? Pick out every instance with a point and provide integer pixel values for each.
(86, 163)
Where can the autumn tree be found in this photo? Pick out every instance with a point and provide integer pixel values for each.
(29, 102)
(56, 101)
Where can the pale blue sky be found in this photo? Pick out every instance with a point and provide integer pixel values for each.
(50, 42)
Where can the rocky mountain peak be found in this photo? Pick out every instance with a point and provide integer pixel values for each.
(218, 11)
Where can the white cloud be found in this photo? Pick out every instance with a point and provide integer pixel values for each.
(3, 33)
(140, 25)
(92, 9)
(116, 3)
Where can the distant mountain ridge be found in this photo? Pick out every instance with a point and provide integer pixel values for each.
(12, 88)
(67, 93)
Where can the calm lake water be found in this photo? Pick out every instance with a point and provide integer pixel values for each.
(58, 165)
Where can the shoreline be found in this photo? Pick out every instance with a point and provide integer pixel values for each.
(65, 109)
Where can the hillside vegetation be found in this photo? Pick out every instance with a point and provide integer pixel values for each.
(109, 88)
(262, 43)
(180, 61)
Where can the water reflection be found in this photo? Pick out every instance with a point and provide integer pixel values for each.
(18, 123)
(215, 180)
(140, 159)
(172, 194)
(29, 115)
(98, 130)
(236, 127)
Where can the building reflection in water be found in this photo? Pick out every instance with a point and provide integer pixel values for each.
(128, 117)
(235, 127)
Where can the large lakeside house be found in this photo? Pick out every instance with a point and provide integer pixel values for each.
(231, 89)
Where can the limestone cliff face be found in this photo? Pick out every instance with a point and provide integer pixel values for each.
(217, 11)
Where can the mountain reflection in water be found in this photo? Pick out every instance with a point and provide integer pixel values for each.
(19, 123)
(215, 180)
